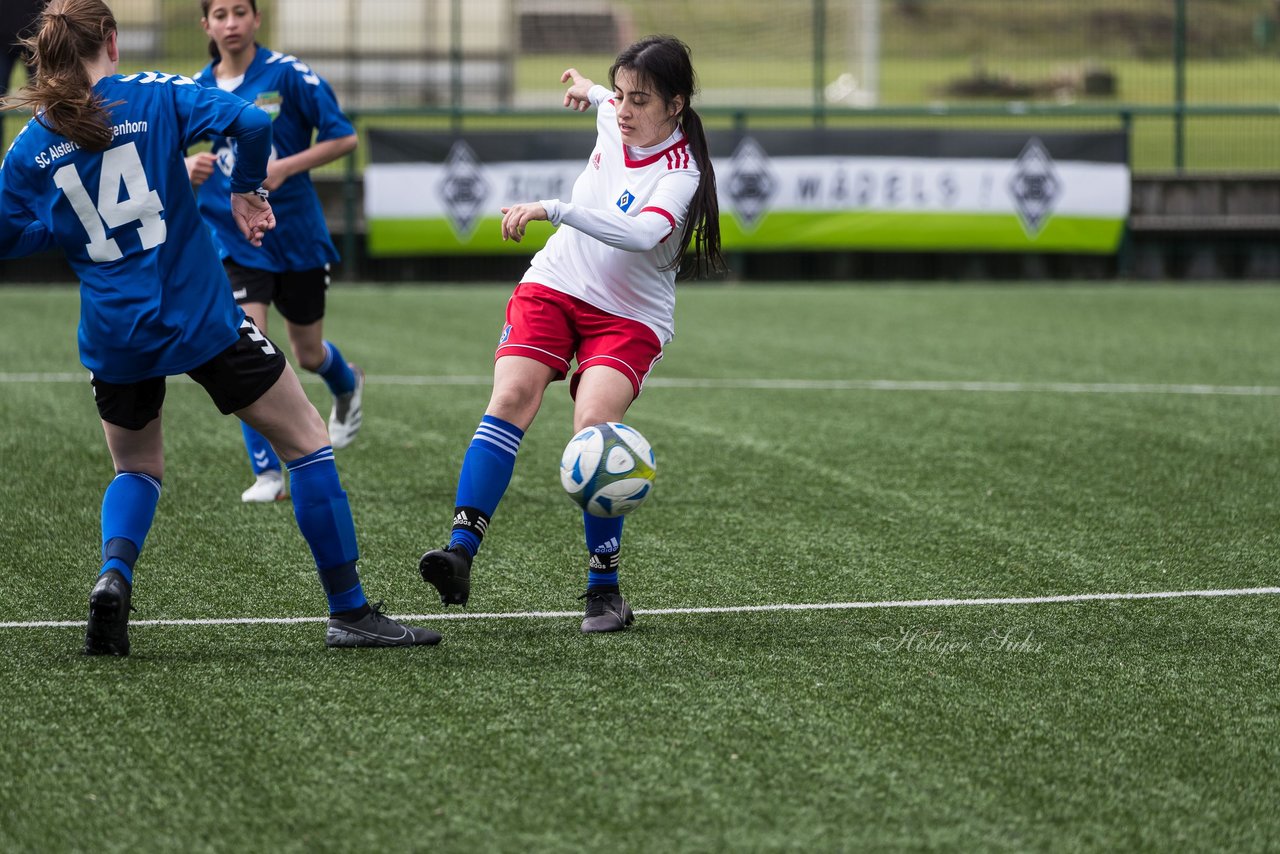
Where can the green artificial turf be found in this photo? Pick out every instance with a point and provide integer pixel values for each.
(1124, 442)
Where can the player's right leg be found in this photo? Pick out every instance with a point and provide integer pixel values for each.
(253, 380)
(301, 300)
(131, 423)
(253, 290)
(534, 350)
(487, 466)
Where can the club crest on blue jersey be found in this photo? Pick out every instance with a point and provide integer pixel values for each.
(625, 200)
(269, 103)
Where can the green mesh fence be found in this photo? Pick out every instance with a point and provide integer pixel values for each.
(1197, 81)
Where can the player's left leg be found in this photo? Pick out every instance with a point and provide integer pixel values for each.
(615, 357)
(301, 301)
(132, 426)
(603, 394)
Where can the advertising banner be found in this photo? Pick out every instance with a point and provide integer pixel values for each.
(429, 193)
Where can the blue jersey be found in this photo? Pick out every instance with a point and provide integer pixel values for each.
(154, 300)
(299, 103)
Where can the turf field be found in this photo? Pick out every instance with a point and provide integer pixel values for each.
(960, 470)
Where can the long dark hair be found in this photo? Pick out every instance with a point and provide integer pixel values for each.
(204, 13)
(70, 32)
(663, 62)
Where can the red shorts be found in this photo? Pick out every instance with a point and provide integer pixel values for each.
(552, 328)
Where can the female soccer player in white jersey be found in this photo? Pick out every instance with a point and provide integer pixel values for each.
(602, 291)
(99, 173)
(291, 267)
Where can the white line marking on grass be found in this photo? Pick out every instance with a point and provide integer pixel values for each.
(726, 609)
(799, 384)
(971, 386)
(82, 377)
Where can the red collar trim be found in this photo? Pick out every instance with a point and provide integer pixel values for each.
(652, 158)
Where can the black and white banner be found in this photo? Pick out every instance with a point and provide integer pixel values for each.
(887, 190)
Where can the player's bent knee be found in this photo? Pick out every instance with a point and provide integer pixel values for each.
(515, 404)
(287, 418)
(309, 359)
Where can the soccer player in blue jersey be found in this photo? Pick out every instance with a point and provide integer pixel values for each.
(99, 173)
(291, 267)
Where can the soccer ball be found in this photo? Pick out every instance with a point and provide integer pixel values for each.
(608, 469)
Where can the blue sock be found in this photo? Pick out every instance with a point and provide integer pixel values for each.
(335, 371)
(604, 540)
(128, 506)
(324, 517)
(486, 473)
(261, 455)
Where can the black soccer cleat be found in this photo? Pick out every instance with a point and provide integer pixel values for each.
(108, 629)
(376, 629)
(607, 611)
(448, 570)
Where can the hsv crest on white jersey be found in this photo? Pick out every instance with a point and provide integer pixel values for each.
(645, 183)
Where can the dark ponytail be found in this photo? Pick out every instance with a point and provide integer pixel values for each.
(663, 62)
(704, 210)
(70, 33)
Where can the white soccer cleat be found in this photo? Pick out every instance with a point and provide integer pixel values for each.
(267, 488)
(344, 420)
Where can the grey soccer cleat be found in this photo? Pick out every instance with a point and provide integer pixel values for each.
(344, 420)
(607, 611)
(377, 629)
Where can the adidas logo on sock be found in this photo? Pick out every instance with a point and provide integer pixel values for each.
(607, 548)
(607, 563)
(471, 519)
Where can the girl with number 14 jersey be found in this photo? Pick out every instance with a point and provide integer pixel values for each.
(99, 173)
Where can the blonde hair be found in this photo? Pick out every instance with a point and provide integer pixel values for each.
(71, 32)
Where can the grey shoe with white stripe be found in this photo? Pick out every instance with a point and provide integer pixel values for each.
(377, 629)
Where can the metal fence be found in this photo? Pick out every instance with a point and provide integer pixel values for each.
(1197, 82)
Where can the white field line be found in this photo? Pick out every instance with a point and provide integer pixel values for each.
(800, 384)
(727, 609)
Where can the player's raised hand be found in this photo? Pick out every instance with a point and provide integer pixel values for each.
(517, 217)
(253, 215)
(576, 97)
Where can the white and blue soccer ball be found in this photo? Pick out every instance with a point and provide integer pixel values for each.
(608, 469)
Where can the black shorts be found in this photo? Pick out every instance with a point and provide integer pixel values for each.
(298, 296)
(235, 378)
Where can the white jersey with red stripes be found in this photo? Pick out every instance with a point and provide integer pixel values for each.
(622, 190)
